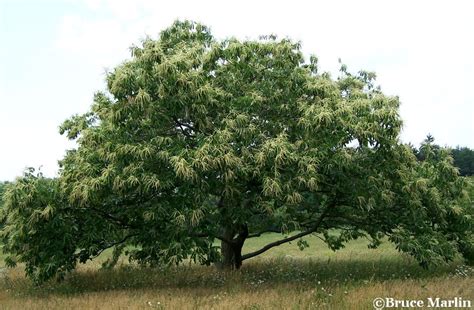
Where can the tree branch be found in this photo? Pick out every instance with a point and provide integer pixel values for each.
(114, 219)
(104, 215)
(105, 247)
(203, 235)
(221, 238)
(185, 128)
(289, 239)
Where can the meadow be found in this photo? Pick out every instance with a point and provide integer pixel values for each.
(282, 278)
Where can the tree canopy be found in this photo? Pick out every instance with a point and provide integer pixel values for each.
(3, 186)
(199, 139)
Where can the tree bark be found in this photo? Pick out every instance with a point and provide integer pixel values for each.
(226, 248)
(231, 246)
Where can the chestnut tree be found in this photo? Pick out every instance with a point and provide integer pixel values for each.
(198, 140)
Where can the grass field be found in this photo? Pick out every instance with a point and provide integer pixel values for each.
(282, 278)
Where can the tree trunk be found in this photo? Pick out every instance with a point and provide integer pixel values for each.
(231, 248)
(226, 249)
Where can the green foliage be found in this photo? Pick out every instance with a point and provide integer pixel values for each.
(3, 186)
(37, 231)
(463, 156)
(199, 139)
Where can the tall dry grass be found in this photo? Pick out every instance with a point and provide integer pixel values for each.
(284, 279)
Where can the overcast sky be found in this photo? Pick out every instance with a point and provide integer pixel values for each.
(53, 55)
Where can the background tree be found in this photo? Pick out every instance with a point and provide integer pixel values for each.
(200, 140)
(463, 156)
(464, 160)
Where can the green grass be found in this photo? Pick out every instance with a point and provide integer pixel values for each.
(281, 278)
(317, 248)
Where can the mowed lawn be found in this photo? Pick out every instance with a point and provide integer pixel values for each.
(282, 278)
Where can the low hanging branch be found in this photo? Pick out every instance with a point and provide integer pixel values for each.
(289, 239)
(103, 248)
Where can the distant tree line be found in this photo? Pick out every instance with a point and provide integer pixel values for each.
(464, 160)
(463, 156)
